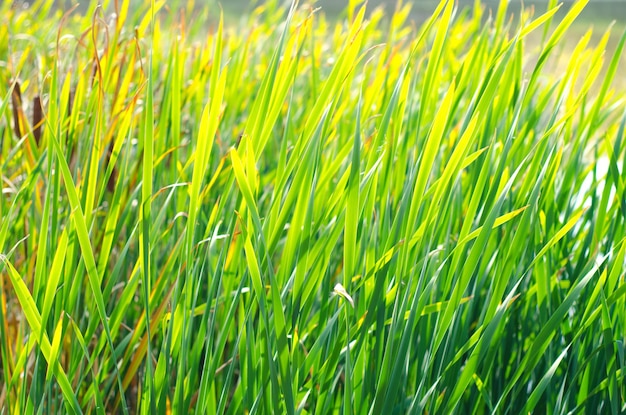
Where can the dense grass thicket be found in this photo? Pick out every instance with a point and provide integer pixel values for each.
(293, 215)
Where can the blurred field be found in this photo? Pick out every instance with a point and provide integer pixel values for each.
(597, 12)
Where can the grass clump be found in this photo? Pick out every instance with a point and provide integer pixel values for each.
(293, 215)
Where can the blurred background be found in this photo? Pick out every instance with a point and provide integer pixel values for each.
(597, 10)
(600, 11)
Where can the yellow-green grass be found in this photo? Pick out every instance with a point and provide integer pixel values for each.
(291, 214)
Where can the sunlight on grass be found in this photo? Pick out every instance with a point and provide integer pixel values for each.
(286, 213)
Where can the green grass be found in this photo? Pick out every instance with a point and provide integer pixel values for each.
(294, 214)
